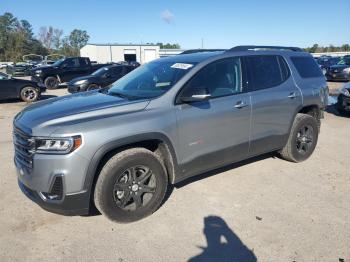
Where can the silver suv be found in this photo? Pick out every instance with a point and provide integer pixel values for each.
(118, 149)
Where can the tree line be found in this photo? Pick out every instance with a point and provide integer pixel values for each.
(17, 39)
(331, 48)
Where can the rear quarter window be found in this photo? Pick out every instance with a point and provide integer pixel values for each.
(266, 71)
(306, 66)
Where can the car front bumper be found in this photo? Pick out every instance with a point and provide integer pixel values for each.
(343, 103)
(41, 87)
(55, 182)
(36, 78)
(337, 76)
(74, 204)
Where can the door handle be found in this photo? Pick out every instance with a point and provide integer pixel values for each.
(240, 104)
(292, 95)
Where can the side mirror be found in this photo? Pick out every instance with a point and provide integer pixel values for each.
(106, 75)
(64, 66)
(199, 94)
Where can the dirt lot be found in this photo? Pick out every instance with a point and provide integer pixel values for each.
(265, 209)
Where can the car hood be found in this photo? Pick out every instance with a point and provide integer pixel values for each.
(339, 67)
(43, 118)
(44, 68)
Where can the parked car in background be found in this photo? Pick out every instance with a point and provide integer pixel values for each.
(166, 121)
(3, 65)
(339, 71)
(343, 102)
(28, 91)
(102, 77)
(19, 69)
(326, 61)
(64, 70)
(50, 59)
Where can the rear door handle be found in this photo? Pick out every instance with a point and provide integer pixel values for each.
(240, 104)
(292, 95)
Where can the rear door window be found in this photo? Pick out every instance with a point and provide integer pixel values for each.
(306, 66)
(266, 71)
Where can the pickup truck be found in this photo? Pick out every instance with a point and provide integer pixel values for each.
(64, 70)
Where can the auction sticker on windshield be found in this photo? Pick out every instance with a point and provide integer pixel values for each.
(181, 66)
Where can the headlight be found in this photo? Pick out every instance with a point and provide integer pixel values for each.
(344, 91)
(346, 70)
(62, 145)
(38, 72)
(80, 82)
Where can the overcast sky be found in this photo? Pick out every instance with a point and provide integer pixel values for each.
(222, 24)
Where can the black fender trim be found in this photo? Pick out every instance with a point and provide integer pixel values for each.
(124, 142)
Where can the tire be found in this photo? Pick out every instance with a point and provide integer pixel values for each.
(29, 94)
(116, 194)
(92, 87)
(51, 82)
(302, 139)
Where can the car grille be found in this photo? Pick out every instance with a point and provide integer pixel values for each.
(24, 148)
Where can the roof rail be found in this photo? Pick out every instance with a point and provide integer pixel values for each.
(264, 47)
(191, 51)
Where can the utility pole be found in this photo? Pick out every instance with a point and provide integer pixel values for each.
(202, 42)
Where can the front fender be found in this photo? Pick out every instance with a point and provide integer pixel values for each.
(124, 142)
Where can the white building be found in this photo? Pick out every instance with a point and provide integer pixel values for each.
(105, 53)
(170, 52)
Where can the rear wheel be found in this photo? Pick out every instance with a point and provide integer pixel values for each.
(93, 87)
(29, 94)
(302, 139)
(51, 82)
(131, 185)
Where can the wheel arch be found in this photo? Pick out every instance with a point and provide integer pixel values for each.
(51, 75)
(312, 109)
(159, 143)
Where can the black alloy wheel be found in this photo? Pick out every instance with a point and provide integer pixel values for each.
(134, 188)
(304, 139)
(131, 185)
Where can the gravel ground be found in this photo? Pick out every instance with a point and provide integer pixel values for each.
(264, 209)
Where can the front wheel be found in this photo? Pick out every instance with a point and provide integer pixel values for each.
(131, 185)
(29, 94)
(302, 139)
(93, 87)
(51, 82)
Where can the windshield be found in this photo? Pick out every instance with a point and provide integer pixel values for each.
(58, 62)
(101, 71)
(344, 61)
(150, 80)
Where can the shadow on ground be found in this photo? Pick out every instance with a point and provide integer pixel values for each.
(222, 243)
